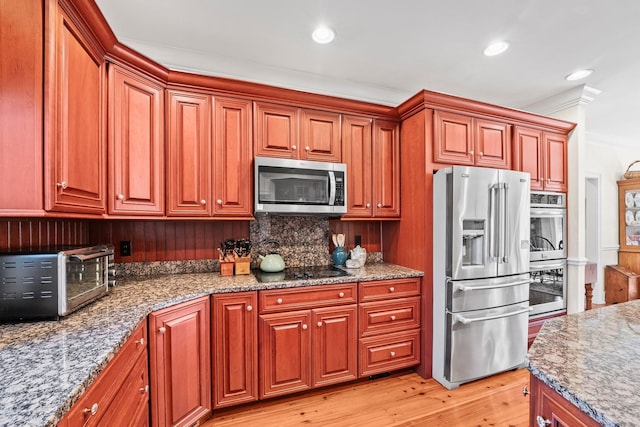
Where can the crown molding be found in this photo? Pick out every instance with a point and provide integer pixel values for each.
(575, 96)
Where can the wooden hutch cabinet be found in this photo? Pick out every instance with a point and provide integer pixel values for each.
(629, 224)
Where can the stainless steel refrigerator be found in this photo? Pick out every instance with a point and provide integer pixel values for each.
(480, 272)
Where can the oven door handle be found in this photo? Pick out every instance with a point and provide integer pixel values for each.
(464, 288)
(92, 255)
(465, 321)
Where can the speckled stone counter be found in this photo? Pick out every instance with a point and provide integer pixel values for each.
(591, 359)
(46, 366)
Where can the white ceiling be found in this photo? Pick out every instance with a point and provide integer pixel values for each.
(386, 51)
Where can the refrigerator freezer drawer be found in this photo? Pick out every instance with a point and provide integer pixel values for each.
(465, 295)
(485, 342)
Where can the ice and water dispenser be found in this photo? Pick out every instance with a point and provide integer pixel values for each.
(473, 235)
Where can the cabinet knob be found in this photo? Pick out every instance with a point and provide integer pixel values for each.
(307, 148)
(279, 301)
(304, 326)
(480, 154)
(341, 294)
(249, 308)
(542, 422)
(525, 391)
(319, 324)
(368, 205)
(92, 410)
(548, 179)
(379, 205)
(120, 197)
(293, 147)
(219, 201)
(140, 341)
(203, 202)
(471, 152)
(393, 317)
(392, 289)
(392, 354)
(62, 184)
(144, 389)
(162, 329)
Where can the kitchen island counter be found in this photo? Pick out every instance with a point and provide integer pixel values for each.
(589, 358)
(47, 365)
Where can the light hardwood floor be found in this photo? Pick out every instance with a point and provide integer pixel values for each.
(402, 399)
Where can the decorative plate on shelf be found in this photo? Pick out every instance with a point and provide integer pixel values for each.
(638, 217)
(629, 200)
(637, 199)
(629, 218)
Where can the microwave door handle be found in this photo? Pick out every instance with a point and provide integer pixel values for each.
(92, 255)
(332, 188)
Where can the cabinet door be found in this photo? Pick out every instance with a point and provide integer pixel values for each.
(356, 153)
(275, 130)
(547, 407)
(232, 156)
(75, 118)
(179, 340)
(453, 139)
(528, 155)
(334, 345)
(492, 144)
(320, 136)
(136, 144)
(189, 154)
(555, 156)
(386, 167)
(235, 348)
(285, 346)
(21, 77)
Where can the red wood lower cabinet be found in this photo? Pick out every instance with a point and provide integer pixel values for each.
(235, 348)
(180, 361)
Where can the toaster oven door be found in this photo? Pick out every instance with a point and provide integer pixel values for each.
(85, 277)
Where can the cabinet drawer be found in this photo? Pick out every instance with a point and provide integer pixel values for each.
(304, 298)
(100, 394)
(389, 316)
(385, 289)
(389, 352)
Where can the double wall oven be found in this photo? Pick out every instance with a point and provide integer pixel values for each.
(548, 256)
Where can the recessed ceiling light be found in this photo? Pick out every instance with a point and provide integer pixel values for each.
(577, 75)
(323, 35)
(496, 48)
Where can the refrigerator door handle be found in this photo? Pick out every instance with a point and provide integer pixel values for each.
(505, 224)
(463, 288)
(493, 224)
(465, 321)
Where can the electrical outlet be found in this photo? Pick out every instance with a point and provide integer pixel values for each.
(125, 247)
(357, 240)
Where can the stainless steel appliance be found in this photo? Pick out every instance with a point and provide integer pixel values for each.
(298, 187)
(53, 281)
(480, 272)
(548, 287)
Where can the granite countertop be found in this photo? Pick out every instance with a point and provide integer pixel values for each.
(590, 358)
(47, 365)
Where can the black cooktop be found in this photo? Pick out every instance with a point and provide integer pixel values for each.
(300, 273)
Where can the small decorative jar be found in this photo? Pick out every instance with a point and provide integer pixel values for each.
(339, 255)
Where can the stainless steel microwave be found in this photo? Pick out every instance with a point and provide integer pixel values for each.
(54, 281)
(299, 187)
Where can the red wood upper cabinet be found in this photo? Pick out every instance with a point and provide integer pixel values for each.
(21, 77)
(188, 154)
(136, 144)
(179, 360)
(319, 136)
(74, 117)
(232, 157)
(356, 153)
(275, 130)
(543, 155)
(474, 141)
(235, 348)
(386, 169)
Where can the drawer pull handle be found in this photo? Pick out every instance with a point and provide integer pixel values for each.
(304, 326)
(341, 294)
(249, 308)
(279, 301)
(319, 324)
(144, 389)
(393, 354)
(542, 422)
(393, 317)
(140, 341)
(92, 410)
(392, 289)
(162, 329)
(62, 184)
